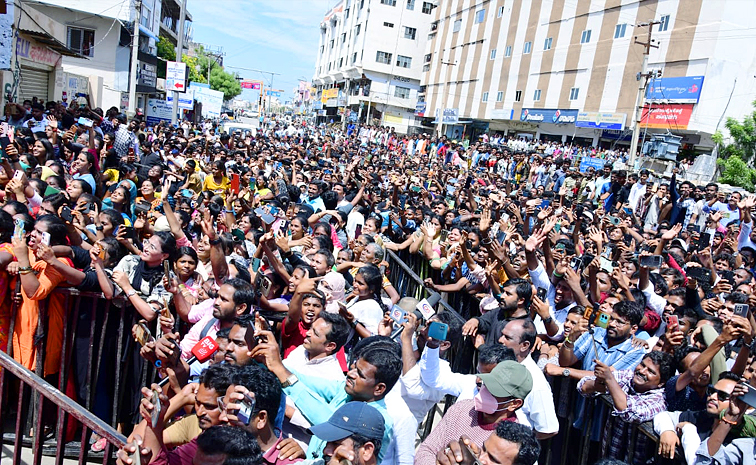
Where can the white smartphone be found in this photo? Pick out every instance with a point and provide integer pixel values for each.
(46, 238)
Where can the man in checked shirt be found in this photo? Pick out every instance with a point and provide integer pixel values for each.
(637, 395)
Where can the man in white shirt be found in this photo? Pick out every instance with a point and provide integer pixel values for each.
(520, 335)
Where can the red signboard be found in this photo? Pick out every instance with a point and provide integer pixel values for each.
(250, 85)
(666, 116)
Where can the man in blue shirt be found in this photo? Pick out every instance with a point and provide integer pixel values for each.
(371, 376)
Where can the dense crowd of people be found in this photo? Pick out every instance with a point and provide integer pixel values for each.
(252, 267)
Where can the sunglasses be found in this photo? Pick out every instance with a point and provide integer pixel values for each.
(721, 395)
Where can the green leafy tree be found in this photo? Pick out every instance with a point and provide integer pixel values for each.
(743, 134)
(736, 172)
(224, 82)
(193, 65)
(167, 52)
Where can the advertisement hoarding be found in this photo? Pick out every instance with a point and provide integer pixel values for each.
(543, 115)
(685, 89)
(596, 120)
(157, 111)
(175, 76)
(672, 117)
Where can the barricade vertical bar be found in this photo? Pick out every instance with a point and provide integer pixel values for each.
(60, 428)
(119, 353)
(586, 443)
(17, 443)
(90, 359)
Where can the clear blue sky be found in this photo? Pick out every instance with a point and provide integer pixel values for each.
(280, 36)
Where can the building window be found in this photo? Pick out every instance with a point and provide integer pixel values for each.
(485, 96)
(388, 24)
(427, 58)
(664, 23)
(585, 37)
(501, 12)
(457, 25)
(322, 49)
(383, 57)
(401, 92)
(389, 2)
(362, 4)
(537, 95)
(409, 32)
(346, 13)
(619, 31)
(329, 66)
(331, 43)
(410, 4)
(357, 30)
(480, 16)
(518, 95)
(81, 41)
(493, 54)
(146, 17)
(574, 92)
(427, 8)
(508, 51)
(426, 67)
(499, 96)
(527, 47)
(547, 43)
(403, 62)
(341, 62)
(343, 37)
(354, 57)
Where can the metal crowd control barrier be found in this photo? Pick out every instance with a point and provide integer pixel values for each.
(95, 338)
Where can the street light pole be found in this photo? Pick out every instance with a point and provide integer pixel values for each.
(134, 60)
(179, 56)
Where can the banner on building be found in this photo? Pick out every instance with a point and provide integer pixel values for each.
(157, 111)
(596, 120)
(175, 76)
(672, 117)
(420, 109)
(450, 116)
(685, 89)
(186, 101)
(543, 115)
(329, 94)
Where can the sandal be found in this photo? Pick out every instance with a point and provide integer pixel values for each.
(99, 445)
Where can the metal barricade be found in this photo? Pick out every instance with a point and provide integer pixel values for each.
(95, 337)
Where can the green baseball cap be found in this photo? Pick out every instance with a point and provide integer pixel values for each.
(508, 379)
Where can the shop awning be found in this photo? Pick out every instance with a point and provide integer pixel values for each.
(50, 41)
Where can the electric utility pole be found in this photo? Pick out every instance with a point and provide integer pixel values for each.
(642, 83)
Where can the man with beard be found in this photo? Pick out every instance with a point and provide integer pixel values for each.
(514, 302)
(693, 426)
(711, 202)
(637, 396)
(689, 391)
(235, 298)
(213, 383)
(682, 202)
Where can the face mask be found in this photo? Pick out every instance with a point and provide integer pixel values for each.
(485, 402)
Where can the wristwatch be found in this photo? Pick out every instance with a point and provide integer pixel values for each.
(215, 241)
(130, 293)
(290, 381)
(548, 320)
(566, 372)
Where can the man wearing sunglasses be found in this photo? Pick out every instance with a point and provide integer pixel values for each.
(690, 427)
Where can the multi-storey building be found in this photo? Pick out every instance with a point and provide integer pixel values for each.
(67, 47)
(370, 61)
(569, 70)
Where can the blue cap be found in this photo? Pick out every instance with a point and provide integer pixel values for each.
(351, 418)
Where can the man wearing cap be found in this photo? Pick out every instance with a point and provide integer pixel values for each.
(502, 393)
(354, 433)
(520, 335)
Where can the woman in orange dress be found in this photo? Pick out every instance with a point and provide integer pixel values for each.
(40, 273)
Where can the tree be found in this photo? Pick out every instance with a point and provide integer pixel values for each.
(224, 82)
(743, 134)
(167, 52)
(736, 172)
(192, 64)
